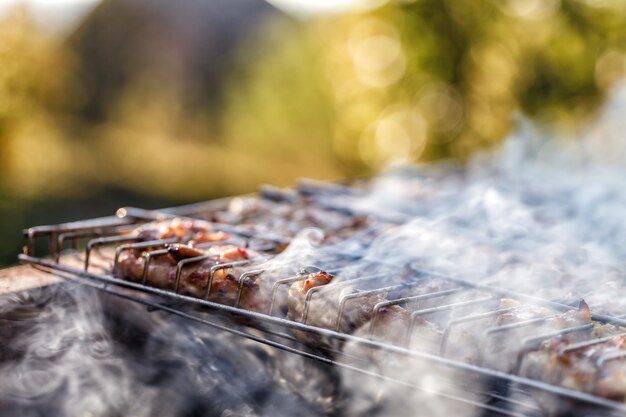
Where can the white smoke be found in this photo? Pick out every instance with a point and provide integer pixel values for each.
(68, 350)
(542, 215)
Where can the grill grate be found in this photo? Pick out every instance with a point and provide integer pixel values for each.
(460, 302)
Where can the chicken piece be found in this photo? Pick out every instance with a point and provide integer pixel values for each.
(391, 322)
(225, 285)
(505, 348)
(519, 313)
(298, 290)
(580, 369)
(187, 230)
(324, 307)
(499, 348)
(192, 232)
(391, 325)
(288, 219)
(323, 310)
(194, 277)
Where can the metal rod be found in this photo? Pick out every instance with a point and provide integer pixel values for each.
(330, 287)
(610, 357)
(517, 295)
(52, 241)
(93, 243)
(243, 279)
(139, 245)
(219, 267)
(208, 245)
(292, 279)
(280, 282)
(402, 300)
(531, 344)
(489, 332)
(278, 195)
(148, 259)
(466, 319)
(348, 297)
(142, 214)
(601, 363)
(160, 215)
(52, 230)
(184, 262)
(583, 345)
(311, 186)
(416, 314)
(73, 236)
(81, 234)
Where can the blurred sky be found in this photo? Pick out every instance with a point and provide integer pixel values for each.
(64, 14)
(53, 14)
(313, 7)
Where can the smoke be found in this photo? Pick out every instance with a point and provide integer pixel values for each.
(69, 350)
(542, 216)
(542, 213)
(302, 250)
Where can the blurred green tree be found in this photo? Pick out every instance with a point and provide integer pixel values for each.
(429, 79)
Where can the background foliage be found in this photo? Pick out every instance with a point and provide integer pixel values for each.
(149, 104)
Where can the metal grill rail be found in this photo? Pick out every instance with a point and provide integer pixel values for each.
(450, 295)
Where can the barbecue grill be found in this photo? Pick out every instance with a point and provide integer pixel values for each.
(89, 251)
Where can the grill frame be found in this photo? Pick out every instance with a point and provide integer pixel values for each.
(129, 217)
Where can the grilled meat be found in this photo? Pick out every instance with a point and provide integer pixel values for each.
(496, 342)
(597, 367)
(194, 277)
(185, 230)
(390, 324)
(288, 219)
